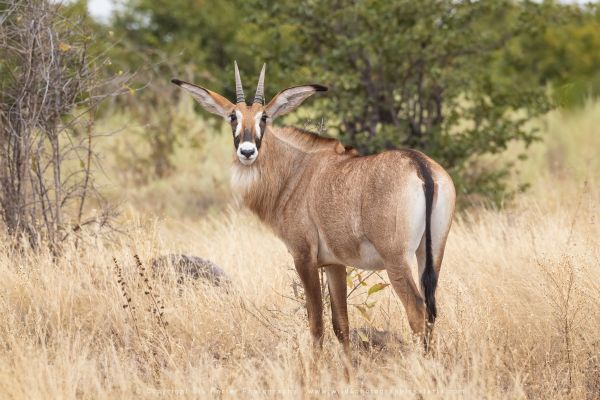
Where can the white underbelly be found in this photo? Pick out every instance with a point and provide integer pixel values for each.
(368, 257)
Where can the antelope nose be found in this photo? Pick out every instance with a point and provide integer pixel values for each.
(247, 152)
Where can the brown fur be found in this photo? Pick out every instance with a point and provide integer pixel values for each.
(332, 207)
(310, 194)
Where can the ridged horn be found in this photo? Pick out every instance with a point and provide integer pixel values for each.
(239, 90)
(259, 97)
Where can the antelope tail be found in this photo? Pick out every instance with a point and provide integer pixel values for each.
(429, 277)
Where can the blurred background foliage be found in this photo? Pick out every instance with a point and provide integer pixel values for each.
(460, 80)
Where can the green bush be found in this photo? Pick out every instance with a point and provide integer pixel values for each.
(460, 80)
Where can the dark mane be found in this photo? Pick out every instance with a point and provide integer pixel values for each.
(311, 141)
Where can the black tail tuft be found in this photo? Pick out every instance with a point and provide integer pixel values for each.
(429, 277)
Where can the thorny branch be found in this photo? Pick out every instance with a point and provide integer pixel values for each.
(50, 85)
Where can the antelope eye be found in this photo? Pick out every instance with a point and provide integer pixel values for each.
(264, 118)
(233, 117)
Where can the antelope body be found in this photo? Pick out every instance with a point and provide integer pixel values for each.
(332, 207)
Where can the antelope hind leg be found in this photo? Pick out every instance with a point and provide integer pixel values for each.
(404, 285)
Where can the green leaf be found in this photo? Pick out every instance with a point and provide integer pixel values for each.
(363, 336)
(363, 312)
(377, 287)
(349, 281)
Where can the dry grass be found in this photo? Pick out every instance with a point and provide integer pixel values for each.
(519, 314)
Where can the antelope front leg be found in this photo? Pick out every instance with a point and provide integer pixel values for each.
(309, 276)
(336, 281)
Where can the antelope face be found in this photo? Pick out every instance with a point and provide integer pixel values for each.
(249, 122)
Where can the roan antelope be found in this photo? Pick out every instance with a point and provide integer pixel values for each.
(332, 207)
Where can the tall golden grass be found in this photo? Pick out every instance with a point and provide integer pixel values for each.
(519, 306)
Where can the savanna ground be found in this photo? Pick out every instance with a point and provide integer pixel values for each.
(519, 296)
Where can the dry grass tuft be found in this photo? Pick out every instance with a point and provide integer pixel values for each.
(518, 297)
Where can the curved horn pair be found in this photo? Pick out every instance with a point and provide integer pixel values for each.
(259, 97)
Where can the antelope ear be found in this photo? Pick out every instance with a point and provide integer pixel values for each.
(210, 101)
(287, 100)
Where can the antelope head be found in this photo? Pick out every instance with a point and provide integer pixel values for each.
(249, 122)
